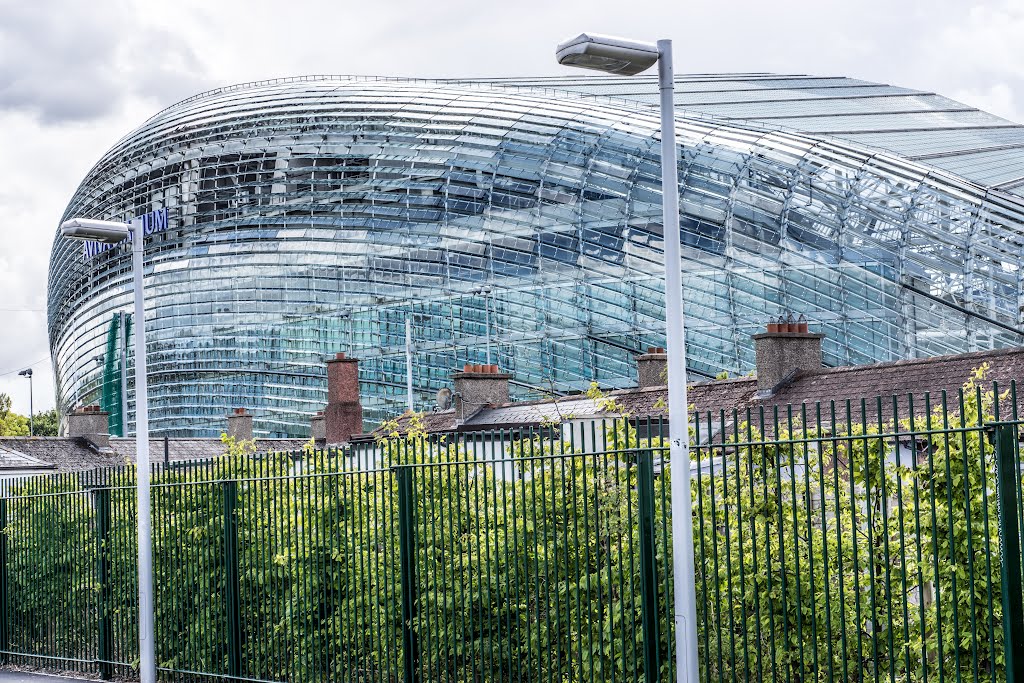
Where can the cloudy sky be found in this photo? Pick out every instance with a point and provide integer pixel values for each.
(76, 76)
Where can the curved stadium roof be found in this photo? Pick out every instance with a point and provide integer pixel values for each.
(315, 214)
(917, 125)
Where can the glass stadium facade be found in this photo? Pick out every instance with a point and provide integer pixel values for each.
(313, 215)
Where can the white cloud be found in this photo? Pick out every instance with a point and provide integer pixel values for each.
(73, 61)
(997, 99)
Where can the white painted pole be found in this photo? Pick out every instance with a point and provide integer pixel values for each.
(487, 321)
(123, 368)
(408, 363)
(685, 606)
(147, 654)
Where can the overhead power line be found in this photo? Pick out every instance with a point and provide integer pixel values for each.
(22, 367)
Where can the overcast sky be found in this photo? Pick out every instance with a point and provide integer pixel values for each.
(77, 76)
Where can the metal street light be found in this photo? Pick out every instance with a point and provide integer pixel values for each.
(27, 372)
(486, 292)
(112, 232)
(629, 57)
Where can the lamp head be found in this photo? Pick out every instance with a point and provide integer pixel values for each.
(607, 53)
(27, 372)
(110, 232)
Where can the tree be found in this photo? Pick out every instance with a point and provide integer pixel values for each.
(862, 551)
(11, 424)
(47, 423)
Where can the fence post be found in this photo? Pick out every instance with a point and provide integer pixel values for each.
(5, 611)
(1009, 535)
(648, 570)
(407, 550)
(101, 505)
(231, 593)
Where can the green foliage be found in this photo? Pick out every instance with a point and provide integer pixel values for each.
(47, 423)
(11, 423)
(51, 554)
(825, 554)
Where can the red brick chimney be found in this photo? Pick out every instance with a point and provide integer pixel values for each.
(343, 416)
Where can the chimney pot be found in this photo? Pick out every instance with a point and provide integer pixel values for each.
(782, 355)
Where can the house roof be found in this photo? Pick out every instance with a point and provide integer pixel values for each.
(66, 454)
(899, 379)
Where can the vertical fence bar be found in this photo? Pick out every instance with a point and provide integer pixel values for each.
(648, 570)
(105, 652)
(1009, 534)
(231, 593)
(407, 559)
(5, 610)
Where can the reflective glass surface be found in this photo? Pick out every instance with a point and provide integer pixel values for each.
(314, 215)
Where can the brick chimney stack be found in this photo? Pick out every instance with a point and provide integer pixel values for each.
(240, 424)
(318, 427)
(786, 351)
(651, 368)
(91, 424)
(343, 416)
(478, 386)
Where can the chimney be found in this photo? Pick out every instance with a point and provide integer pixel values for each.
(651, 368)
(318, 427)
(786, 351)
(240, 425)
(478, 386)
(343, 416)
(90, 423)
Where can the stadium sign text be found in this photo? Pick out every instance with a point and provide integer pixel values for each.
(152, 223)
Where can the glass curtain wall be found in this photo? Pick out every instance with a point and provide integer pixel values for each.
(310, 216)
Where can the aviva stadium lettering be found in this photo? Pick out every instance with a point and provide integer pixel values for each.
(152, 223)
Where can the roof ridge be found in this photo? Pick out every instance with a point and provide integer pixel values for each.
(926, 360)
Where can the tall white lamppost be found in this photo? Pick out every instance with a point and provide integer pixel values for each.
(111, 232)
(627, 58)
(27, 372)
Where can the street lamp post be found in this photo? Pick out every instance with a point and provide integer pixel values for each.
(113, 232)
(486, 292)
(27, 372)
(629, 57)
(410, 404)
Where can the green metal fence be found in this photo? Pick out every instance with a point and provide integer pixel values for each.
(869, 541)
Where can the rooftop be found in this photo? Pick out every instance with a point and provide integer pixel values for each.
(68, 454)
(894, 381)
